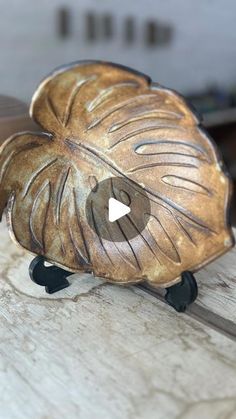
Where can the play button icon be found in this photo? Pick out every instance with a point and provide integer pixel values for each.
(117, 209)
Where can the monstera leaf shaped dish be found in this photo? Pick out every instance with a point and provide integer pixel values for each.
(99, 121)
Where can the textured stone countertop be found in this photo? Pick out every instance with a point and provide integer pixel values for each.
(96, 350)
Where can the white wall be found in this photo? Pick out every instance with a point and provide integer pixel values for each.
(203, 50)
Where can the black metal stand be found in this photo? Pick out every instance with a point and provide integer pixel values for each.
(51, 277)
(181, 295)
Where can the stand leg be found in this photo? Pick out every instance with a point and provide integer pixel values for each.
(51, 277)
(181, 295)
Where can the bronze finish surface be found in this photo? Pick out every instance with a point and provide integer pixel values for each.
(101, 120)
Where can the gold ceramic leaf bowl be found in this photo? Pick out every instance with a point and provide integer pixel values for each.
(100, 121)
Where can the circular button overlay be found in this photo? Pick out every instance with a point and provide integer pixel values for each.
(107, 200)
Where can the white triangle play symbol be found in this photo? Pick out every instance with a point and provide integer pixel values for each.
(116, 210)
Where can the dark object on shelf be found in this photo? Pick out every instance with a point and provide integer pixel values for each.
(129, 30)
(63, 22)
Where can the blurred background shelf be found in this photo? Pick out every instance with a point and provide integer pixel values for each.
(220, 118)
